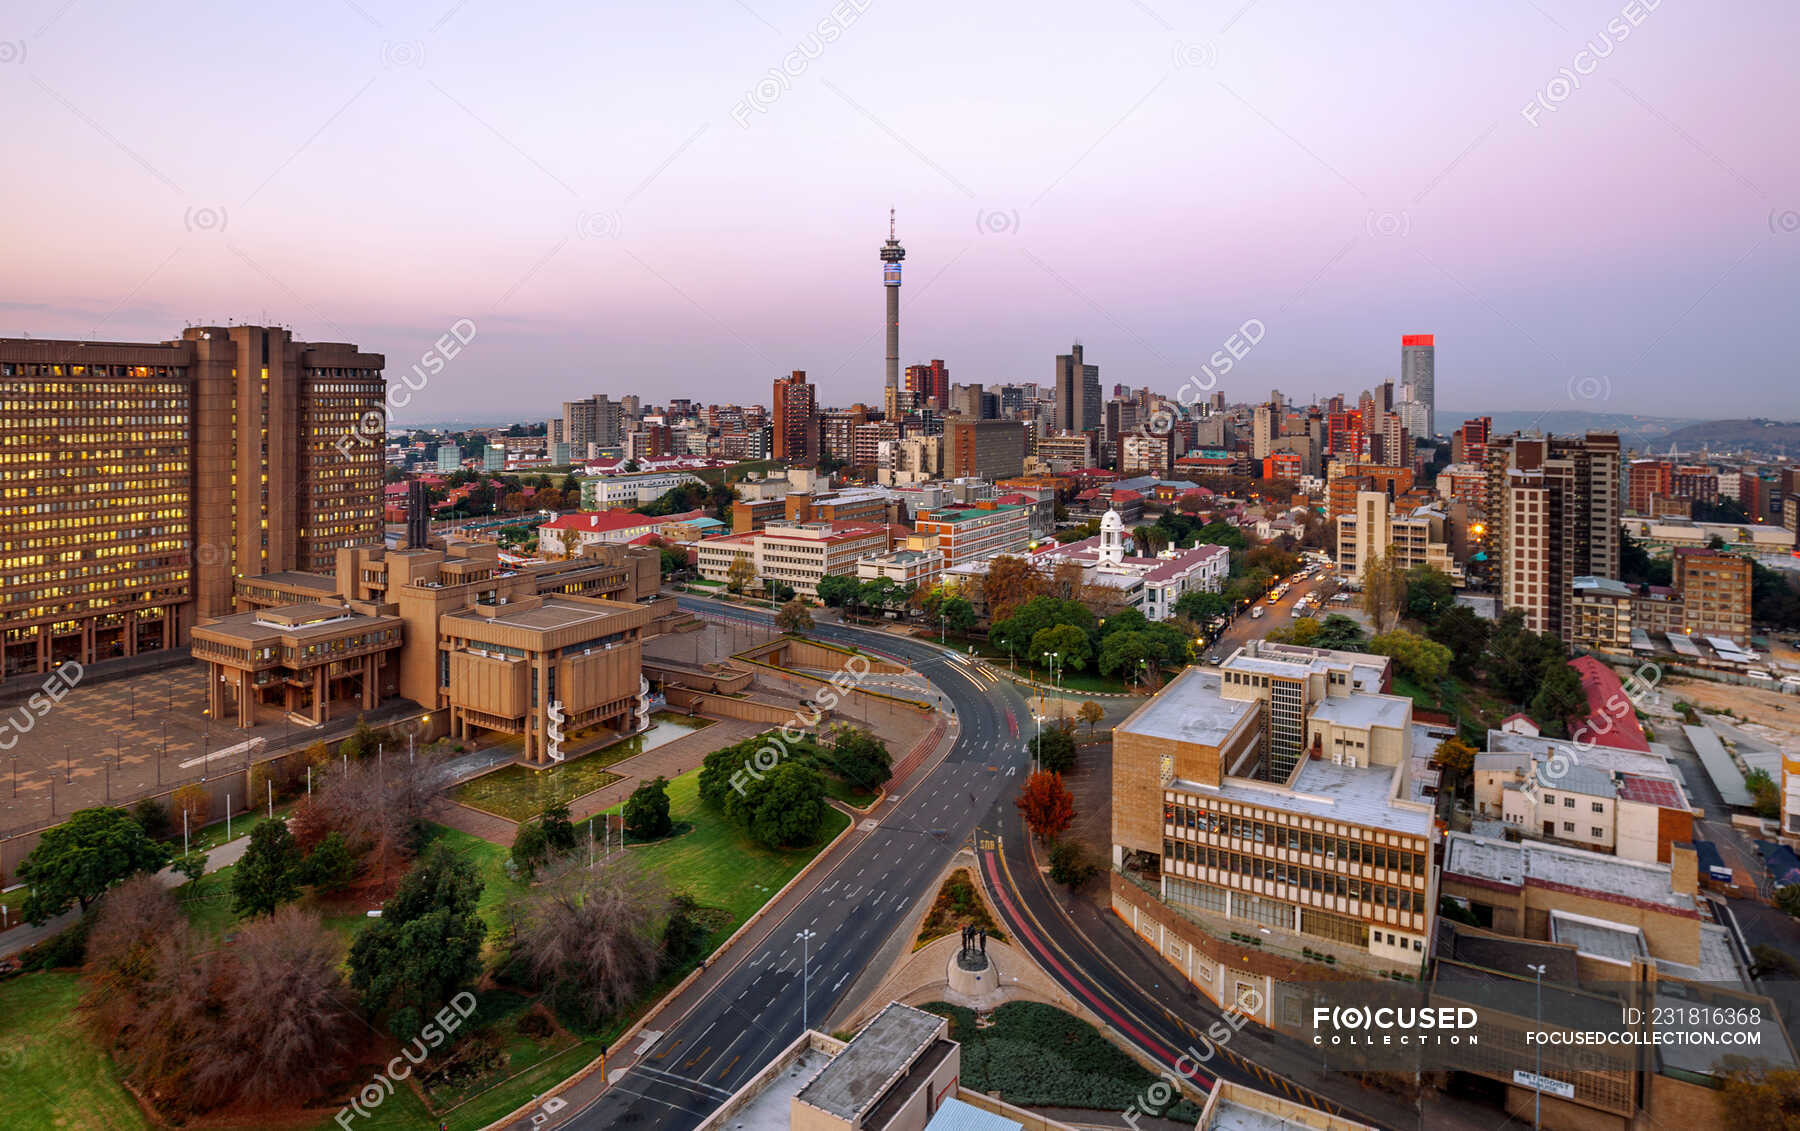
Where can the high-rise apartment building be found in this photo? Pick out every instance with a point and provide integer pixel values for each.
(796, 419)
(1554, 517)
(985, 449)
(595, 420)
(1468, 444)
(1418, 373)
(141, 478)
(1077, 393)
(930, 385)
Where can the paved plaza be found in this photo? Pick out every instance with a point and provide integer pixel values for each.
(114, 742)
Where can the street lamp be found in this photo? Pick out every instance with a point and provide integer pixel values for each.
(1537, 1084)
(806, 938)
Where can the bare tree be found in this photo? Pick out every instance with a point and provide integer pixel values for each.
(134, 921)
(591, 936)
(284, 1025)
(377, 805)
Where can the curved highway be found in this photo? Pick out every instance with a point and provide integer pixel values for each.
(851, 910)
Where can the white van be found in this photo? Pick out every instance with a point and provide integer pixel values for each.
(1256, 613)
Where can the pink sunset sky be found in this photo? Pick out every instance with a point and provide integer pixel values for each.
(623, 200)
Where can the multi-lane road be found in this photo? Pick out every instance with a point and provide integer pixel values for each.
(846, 922)
(756, 1008)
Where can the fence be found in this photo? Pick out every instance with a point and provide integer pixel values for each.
(235, 777)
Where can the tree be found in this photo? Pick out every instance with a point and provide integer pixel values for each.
(268, 875)
(881, 593)
(1056, 747)
(958, 613)
(134, 921)
(860, 758)
(283, 1030)
(1301, 630)
(189, 867)
(1517, 656)
(1384, 591)
(1130, 620)
(1787, 901)
(188, 807)
(787, 806)
(684, 933)
(1067, 642)
(1463, 631)
(150, 814)
(76, 861)
(779, 591)
(1425, 660)
(1009, 582)
(197, 1026)
(1755, 1097)
(1123, 652)
(1200, 606)
(589, 938)
(1070, 864)
(1047, 805)
(1559, 697)
(836, 590)
(1428, 593)
(1456, 755)
(794, 618)
(740, 573)
(329, 866)
(530, 849)
(647, 810)
(1034, 616)
(425, 947)
(1090, 713)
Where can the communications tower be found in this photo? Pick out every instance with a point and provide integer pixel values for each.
(891, 255)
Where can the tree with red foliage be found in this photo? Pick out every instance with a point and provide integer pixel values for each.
(1047, 804)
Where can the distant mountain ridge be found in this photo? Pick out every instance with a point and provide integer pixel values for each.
(1769, 437)
(1634, 430)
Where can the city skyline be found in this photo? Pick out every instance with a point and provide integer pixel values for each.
(1196, 178)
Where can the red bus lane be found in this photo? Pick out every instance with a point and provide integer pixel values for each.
(1043, 953)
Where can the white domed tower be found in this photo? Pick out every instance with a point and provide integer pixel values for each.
(1112, 538)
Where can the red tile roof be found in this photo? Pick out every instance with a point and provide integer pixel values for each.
(602, 521)
(1611, 719)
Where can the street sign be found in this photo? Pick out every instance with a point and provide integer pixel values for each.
(1543, 1084)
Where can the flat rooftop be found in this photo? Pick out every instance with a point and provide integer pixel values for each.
(552, 614)
(1364, 710)
(857, 1077)
(1571, 868)
(772, 1109)
(1362, 795)
(1190, 709)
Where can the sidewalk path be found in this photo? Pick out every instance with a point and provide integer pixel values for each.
(13, 941)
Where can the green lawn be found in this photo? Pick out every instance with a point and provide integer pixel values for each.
(717, 864)
(51, 1073)
(65, 1073)
(519, 793)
